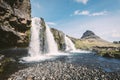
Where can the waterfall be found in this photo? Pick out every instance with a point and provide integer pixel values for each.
(51, 44)
(34, 46)
(34, 50)
(69, 44)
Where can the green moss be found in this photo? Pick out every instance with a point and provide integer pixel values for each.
(109, 53)
(3, 63)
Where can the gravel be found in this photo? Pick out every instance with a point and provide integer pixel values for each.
(58, 70)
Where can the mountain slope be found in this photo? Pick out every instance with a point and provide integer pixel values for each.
(90, 40)
(89, 34)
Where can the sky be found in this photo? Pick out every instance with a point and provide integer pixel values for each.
(74, 17)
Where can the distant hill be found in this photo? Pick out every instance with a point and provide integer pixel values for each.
(89, 40)
(89, 34)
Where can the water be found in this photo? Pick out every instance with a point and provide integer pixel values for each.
(34, 46)
(85, 58)
(80, 58)
(34, 50)
(73, 56)
(35, 53)
(69, 44)
(51, 44)
(94, 61)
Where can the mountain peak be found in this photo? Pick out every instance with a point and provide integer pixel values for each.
(89, 34)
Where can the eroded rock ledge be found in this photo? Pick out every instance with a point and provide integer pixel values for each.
(15, 19)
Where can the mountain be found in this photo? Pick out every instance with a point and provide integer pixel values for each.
(15, 21)
(90, 40)
(89, 34)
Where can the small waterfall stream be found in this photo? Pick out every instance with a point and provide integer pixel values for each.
(51, 44)
(69, 44)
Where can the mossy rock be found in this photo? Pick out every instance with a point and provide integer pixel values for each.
(3, 63)
(110, 53)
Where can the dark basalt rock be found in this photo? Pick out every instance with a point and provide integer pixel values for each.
(89, 34)
(42, 35)
(15, 20)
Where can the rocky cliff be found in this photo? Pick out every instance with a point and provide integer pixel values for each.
(43, 35)
(59, 38)
(15, 20)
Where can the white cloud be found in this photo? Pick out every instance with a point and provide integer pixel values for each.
(82, 1)
(78, 12)
(99, 13)
(87, 13)
(51, 23)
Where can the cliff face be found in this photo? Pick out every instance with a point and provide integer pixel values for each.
(43, 35)
(59, 37)
(15, 22)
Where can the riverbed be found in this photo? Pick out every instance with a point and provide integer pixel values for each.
(71, 66)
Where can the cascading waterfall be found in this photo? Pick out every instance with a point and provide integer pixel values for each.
(51, 44)
(34, 51)
(69, 44)
(34, 47)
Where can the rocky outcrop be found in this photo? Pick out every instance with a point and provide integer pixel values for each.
(15, 20)
(43, 35)
(59, 38)
(89, 34)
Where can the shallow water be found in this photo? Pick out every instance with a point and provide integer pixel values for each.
(93, 60)
(87, 59)
(79, 58)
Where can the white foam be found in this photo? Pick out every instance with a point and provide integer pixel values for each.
(69, 44)
(51, 44)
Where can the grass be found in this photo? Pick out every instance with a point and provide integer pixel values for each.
(89, 44)
(104, 50)
(109, 53)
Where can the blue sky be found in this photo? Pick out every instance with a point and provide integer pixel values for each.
(74, 17)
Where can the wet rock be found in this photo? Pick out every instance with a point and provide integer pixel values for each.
(15, 18)
(29, 78)
(58, 70)
(59, 38)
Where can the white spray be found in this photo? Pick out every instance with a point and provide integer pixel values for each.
(51, 44)
(69, 44)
